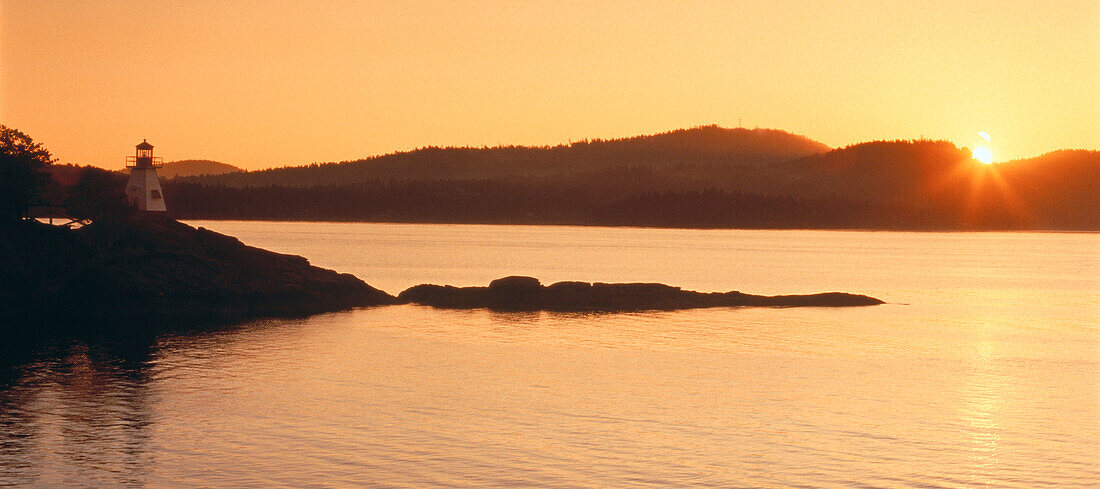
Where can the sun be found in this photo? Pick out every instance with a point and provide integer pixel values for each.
(983, 154)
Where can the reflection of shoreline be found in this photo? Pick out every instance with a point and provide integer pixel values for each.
(83, 404)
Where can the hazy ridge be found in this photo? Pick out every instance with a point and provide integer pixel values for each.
(704, 145)
(701, 177)
(191, 168)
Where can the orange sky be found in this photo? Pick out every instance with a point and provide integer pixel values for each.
(268, 83)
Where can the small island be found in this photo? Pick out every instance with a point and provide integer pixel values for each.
(528, 294)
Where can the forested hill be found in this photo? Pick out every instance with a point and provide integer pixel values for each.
(938, 171)
(876, 185)
(190, 168)
(705, 145)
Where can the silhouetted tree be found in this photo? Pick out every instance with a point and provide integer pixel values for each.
(22, 175)
(99, 194)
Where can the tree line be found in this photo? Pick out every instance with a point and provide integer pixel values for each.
(876, 185)
(495, 201)
(698, 146)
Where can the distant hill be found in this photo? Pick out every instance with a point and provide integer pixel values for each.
(191, 168)
(688, 178)
(704, 146)
(1057, 190)
(879, 170)
(939, 184)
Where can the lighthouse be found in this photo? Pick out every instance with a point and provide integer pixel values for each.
(143, 189)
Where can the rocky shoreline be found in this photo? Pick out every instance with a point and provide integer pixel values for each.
(159, 267)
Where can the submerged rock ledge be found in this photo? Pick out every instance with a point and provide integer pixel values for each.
(528, 294)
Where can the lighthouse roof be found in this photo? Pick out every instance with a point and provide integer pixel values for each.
(144, 145)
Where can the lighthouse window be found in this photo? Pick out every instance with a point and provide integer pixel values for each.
(155, 193)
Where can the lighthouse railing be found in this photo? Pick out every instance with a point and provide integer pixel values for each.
(154, 161)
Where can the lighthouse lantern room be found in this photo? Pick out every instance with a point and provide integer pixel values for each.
(143, 189)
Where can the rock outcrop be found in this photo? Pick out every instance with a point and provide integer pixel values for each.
(527, 294)
(159, 266)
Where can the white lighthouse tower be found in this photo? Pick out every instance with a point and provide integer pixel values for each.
(143, 189)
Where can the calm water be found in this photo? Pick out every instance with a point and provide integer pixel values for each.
(982, 371)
